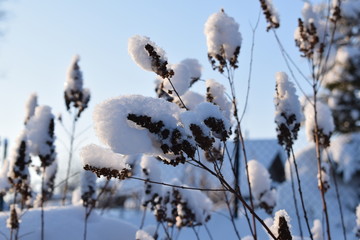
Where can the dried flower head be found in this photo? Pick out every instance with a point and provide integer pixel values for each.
(74, 93)
(13, 221)
(271, 15)
(288, 114)
(281, 226)
(223, 41)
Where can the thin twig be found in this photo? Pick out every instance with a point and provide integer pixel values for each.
(301, 194)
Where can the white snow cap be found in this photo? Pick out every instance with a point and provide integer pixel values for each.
(275, 227)
(137, 51)
(100, 157)
(123, 136)
(30, 106)
(38, 131)
(15, 156)
(181, 79)
(191, 99)
(222, 31)
(324, 119)
(316, 230)
(217, 92)
(142, 235)
(286, 100)
(274, 18)
(74, 80)
(193, 66)
(261, 184)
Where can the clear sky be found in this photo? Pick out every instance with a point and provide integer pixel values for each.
(40, 38)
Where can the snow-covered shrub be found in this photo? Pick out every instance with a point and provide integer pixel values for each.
(74, 93)
(223, 40)
(261, 186)
(288, 114)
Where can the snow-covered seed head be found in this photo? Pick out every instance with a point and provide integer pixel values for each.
(74, 93)
(325, 123)
(223, 40)
(288, 115)
(281, 226)
(149, 56)
(88, 188)
(271, 15)
(13, 220)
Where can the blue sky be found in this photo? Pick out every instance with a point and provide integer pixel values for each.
(40, 38)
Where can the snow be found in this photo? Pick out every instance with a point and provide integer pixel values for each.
(276, 223)
(216, 93)
(19, 161)
(38, 132)
(324, 120)
(67, 223)
(222, 31)
(137, 51)
(142, 235)
(274, 20)
(191, 99)
(286, 101)
(30, 106)
(151, 171)
(99, 157)
(260, 183)
(122, 136)
(316, 230)
(88, 187)
(74, 80)
(181, 79)
(194, 68)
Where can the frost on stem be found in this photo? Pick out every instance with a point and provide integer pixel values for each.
(30, 106)
(316, 230)
(223, 41)
(325, 177)
(41, 137)
(288, 114)
(324, 121)
(261, 186)
(281, 226)
(18, 174)
(88, 188)
(104, 162)
(74, 93)
(13, 221)
(270, 13)
(149, 56)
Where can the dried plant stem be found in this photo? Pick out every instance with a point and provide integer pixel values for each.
(301, 194)
(72, 138)
(237, 194)
(318, 157)
(14, 232)
(42, 203)
(177, 94)
(294, 198)
(239, 136)
(208, 232)
(337, 195)
(232, 219)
